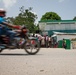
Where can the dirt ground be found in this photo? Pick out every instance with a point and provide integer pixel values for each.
(49, 61)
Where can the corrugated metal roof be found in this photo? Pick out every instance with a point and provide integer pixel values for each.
(70, 21)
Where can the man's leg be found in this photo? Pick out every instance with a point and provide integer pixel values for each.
(11, 35)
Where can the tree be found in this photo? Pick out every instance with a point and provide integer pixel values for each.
(74, 18)
(25, 17)
(50, 16)
(10, 20)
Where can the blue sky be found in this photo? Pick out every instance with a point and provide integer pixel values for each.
(66, 9)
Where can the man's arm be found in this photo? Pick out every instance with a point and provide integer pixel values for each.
(12, 26)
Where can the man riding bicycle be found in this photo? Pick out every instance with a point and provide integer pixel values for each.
(4, 26)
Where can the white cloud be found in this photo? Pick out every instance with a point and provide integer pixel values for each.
(61, 0)
(9, 3)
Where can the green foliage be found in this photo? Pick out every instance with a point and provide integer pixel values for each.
(50, 16)
(74, 18)
(25, 17)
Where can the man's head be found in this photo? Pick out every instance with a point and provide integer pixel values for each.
(2, 12)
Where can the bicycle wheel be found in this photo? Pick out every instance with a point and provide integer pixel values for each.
(32, 47)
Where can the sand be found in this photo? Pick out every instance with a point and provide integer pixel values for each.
(49, 61)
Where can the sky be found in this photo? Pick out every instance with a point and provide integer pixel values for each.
(66, 9)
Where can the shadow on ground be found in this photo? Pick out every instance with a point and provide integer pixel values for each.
(15, 54)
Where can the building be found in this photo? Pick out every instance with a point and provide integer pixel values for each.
(50, 26)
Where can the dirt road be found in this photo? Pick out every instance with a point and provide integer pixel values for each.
(49, 61)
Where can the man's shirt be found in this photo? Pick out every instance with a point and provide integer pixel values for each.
(2, 20)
